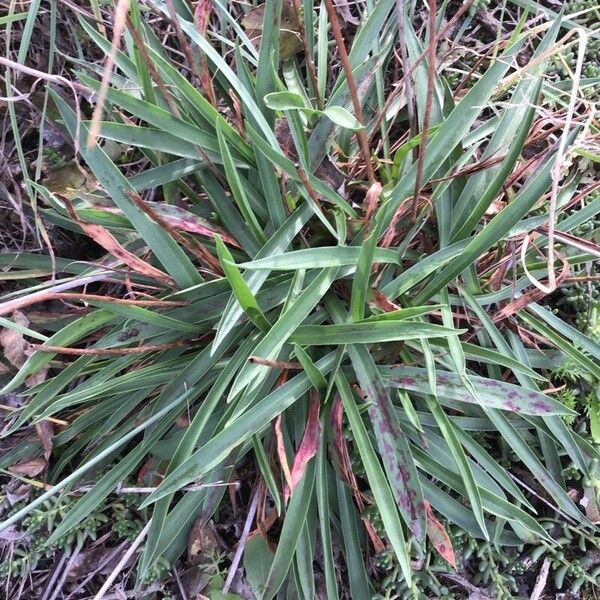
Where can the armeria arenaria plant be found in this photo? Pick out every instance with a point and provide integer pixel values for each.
(309, 251)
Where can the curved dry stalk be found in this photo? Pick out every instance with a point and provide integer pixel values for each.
(120, 20)
(557, 168)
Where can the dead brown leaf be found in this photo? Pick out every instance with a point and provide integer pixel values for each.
(45, 431)
(203, 543)
(107, 240)
(29, 468)
(13, 343)
(592, 510)
(37, 378)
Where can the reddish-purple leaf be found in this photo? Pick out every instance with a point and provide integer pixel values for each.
(308, 446)
(439, 538)
(338, 451)
(183, 220)
(280, 445)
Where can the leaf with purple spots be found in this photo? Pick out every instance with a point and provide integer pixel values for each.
(392, 444)
(492, 393)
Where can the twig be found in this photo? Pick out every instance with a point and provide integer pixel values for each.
(541, 498)
(398, 90)
(109, 351)
(406, 70)
(193, 245)
(115, 572)
(49, 585)
(241, 544)
(182, 591)
(201, 18)
(310, 64)
(540, 582)
(361, 135)
(120, 19)
(112, 300)
(276, 364)
(66, 571)
(582, 278)
(428, 105)
(6, 62)
(103, 562)
(10, 306)
(184, 44)
(49, 419)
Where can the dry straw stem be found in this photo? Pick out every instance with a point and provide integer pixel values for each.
(361, 135)
(121, 564)
(431, 70)
(109, 351)
(49, 419)
(57, 79)
(7, 308)
(310, 64)
(557, 169)
(119, 26)
(404, 82)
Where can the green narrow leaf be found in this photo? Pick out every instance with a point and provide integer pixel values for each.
(368, 332)
(240, 288)
(460, 459)
(236, 185)
(284, 101)
(318, 258)
(380, 487)
(238, 431)
(340, 116)
(360, 282)
(290, 533)
(252, 375)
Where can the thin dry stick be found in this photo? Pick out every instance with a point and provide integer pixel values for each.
(201, 18)
(49, 585)
(119, 26)
(92, 297)
(398, 90)
(407, 70)
(101, 564)
(428, 105)
(49, 419)
(307, 184)
(310, 64)
(361, 135)
(241, 544)
(53, 79)
(10, 306)
(275, 364)
(122, 490)
(140, 45)
(193, 245)
(155, 75)
(109, 351)
(582, 278)
(66, 571)
(558, 164)
(183, 42)
(130, 552)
